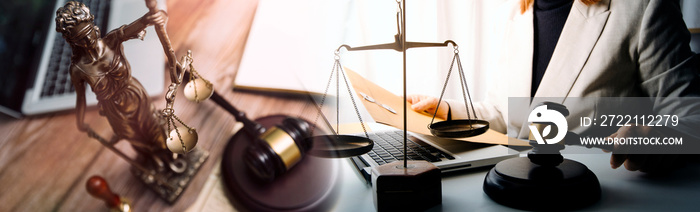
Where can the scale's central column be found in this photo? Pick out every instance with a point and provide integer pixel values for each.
(403, 51)
(408, 186)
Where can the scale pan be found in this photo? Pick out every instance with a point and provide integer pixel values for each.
(339, 146)
(460, 128)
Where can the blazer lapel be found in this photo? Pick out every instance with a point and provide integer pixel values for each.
(580, 34)
(518, 60)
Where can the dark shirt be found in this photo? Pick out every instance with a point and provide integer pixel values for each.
(549, 19)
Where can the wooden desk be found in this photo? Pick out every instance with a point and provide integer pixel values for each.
(45, 161)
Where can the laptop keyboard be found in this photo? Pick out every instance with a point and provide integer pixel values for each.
(388, 147)
(57, 79)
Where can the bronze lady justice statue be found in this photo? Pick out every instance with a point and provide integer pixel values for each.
(100, 62)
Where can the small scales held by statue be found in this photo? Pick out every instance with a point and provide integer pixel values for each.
(166, 155)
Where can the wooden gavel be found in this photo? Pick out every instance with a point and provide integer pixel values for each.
(98, 188)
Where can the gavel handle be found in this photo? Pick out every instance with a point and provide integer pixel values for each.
(250, 126)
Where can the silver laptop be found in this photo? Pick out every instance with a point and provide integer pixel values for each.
(447, 154)
(35, 77)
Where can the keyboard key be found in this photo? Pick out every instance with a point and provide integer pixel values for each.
(389, 147)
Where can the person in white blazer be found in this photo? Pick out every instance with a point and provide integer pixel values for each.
(607, 48)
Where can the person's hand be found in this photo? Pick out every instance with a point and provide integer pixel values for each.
(158, 18)
(428, 104)
(642, 162)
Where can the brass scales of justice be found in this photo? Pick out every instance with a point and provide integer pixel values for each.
(390, 182)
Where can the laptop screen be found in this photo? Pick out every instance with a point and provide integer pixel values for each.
(23, 30)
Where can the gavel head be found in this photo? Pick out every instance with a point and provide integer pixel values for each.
(278, 149)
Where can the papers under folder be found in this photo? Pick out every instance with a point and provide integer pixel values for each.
(417, 122)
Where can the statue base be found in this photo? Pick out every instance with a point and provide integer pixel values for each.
(169, 184)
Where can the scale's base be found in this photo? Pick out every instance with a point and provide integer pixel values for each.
(520, 184)
(176, 182)
(308, 186)
(415, 188)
